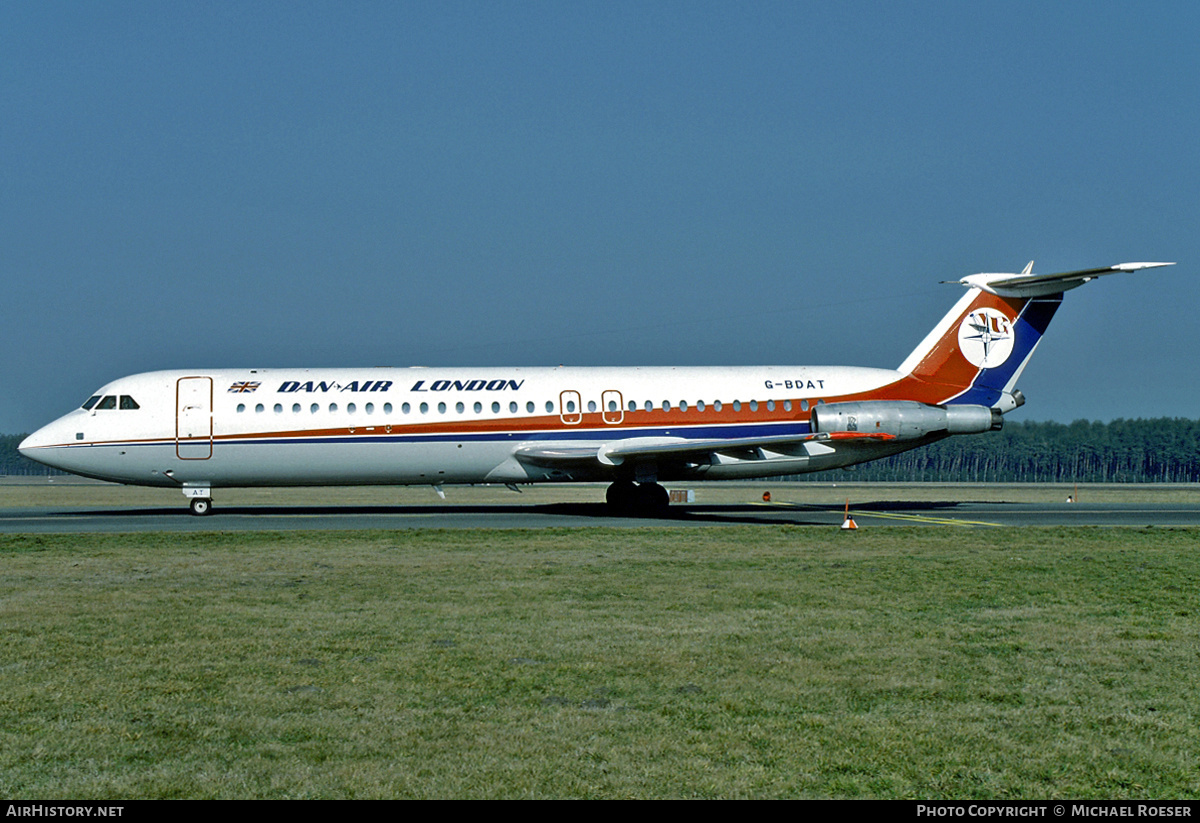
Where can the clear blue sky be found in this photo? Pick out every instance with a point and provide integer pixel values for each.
(203, 185)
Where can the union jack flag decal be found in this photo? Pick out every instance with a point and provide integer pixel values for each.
(243, 388)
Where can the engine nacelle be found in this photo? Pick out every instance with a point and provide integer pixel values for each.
(904, 419)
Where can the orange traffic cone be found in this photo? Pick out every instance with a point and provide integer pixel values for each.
(848, 523)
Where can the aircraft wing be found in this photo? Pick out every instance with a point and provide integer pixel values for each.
(698, 450)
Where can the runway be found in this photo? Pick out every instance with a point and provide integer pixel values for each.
(935, 514)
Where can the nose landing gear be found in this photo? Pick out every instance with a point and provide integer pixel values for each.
(199, 498)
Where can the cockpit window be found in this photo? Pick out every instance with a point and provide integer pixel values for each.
(110, 401)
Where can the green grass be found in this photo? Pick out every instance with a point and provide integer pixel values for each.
(657, 662)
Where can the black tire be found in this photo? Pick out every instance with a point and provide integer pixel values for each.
(621, 496)
(201, 506)
(652, 498)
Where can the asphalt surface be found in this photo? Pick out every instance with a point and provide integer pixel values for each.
(574, 515)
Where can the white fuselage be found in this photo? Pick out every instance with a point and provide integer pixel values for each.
(275, 427)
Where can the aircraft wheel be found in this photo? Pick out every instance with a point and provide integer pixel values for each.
(653, 498)
(621, 496)
(201, 506)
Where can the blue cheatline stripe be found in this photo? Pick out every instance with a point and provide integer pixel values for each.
(1028, 329)
(691, 432)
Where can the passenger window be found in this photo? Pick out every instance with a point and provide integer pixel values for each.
(128, 402)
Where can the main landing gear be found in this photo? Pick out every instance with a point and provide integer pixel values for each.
(627, 497)
(200, 506)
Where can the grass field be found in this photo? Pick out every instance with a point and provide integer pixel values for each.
(656, 662)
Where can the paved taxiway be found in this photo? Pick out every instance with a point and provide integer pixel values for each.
(571, 515)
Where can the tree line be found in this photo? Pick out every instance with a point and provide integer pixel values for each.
(1162, 450)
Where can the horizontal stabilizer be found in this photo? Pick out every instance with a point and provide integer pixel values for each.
(1027, 284)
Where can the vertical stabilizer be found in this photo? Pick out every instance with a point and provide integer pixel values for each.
(979, 349)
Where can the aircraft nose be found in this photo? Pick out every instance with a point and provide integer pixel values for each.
(33, 441)
(36, 446)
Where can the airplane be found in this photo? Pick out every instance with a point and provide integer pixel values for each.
(202, 430)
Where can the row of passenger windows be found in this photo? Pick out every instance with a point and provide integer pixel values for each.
(110, 401)
(531, 407)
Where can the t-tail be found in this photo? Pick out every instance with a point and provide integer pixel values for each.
(977, 352)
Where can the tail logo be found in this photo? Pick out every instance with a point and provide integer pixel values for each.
(986, 338)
